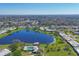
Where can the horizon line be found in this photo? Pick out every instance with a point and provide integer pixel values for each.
(39, 14)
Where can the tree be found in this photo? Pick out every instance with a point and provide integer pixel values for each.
(13, 47)
(17, 53)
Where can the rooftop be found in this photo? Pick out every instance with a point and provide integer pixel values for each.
(4, 52)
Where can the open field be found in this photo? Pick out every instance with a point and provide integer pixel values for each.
(4, 46)
(59, 48)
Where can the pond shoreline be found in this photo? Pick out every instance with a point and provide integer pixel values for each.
(10, 32)
(28, 37)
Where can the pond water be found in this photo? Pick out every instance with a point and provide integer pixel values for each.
(28, 37)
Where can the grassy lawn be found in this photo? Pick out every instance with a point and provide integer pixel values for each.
(17, 49)
(76, 38)
(10, 32)
(4, 46)
(60, 48)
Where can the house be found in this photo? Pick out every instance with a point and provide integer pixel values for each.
(2, 31)
(42, 28)
(6, 29)
(4, 52)
(12, 28)
(36, 44)
(48, 29)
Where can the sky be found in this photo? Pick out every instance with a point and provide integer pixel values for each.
(38, 8)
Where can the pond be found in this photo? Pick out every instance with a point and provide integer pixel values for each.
(27, 37)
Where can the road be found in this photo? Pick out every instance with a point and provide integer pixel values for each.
(71, 41)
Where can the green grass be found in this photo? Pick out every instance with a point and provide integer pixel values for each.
(57, 49)
(77, 38)
(17, 49)
(4, 46)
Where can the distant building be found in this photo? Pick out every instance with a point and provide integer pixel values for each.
(36, 44)
(48, 29)
(42, 28)
(62, 27)
(12, 28)
(6, 29)
(2, 31)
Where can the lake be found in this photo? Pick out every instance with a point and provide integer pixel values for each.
(28, 37)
